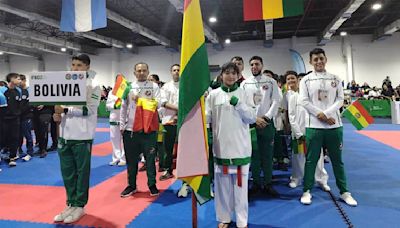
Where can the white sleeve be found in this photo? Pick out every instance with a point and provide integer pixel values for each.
(110, 103)
(91, 106)
(338, 101)
(124, 112)
(292, 117)
(208, 109)
(276, 98)
(305, 100)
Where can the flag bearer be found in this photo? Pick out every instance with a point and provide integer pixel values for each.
(228, 112)
(77, 130)
(321, 94)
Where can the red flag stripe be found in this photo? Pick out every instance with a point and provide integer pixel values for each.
(363, 112)
(252, 10)
(187, 3)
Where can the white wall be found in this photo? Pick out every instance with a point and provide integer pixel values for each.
(372, 61)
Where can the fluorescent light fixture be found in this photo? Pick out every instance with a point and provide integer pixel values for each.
(63, 49)
(212, 19)
(129, 46)
(343, 33)
(376, 6)
(228, 41)
(1, 53)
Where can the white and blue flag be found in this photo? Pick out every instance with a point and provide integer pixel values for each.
(83, 15)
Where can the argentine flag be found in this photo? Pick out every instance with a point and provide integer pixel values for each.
(83, 15)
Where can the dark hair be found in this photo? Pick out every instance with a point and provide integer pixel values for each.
(10, 76)
(291, 72)
(3, 83)
(268, 72)
(83, 58)
(155, 76)
(317, 51)
(236, 58)
(256, 58)
(228, 67)
(174, 65)
(139, 64)
(22, 77)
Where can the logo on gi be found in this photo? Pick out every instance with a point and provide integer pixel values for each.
(147, 93)
(333, 84)
(265, 87)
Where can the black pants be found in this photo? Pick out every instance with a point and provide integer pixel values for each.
(43, 131)
(53, 131)
(11, 138)
(1, 128)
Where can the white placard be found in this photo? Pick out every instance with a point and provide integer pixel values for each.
(57, 87)
(395, 106)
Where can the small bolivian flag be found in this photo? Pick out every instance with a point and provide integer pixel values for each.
(358, 115)
(254, 10)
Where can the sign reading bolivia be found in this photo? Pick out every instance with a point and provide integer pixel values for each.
(192, 161)
(358, 116)
(254, 10)
(62, 87)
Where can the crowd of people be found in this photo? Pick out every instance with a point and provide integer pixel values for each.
(386, 91)
(249, 119)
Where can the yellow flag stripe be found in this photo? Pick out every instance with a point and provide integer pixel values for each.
(272, 9)
(194, 182)
(360, 118)
(192, 24)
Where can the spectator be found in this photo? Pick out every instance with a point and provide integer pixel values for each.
(386, 81)
(26, 122)
(154, 78)
(387, 91)
(374, 93)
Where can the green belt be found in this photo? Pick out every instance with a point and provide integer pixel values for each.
(114, 123)
(233, 161)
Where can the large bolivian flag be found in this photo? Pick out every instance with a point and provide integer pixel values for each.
(271, 9)
(358, 115)
(146, 116)
(192, 160)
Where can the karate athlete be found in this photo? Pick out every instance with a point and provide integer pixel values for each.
(77, 130)
(297, 119)
(169, 101)
(230, 116)
(263, 93)
(139, 142)
(118, 154)
(321, 94)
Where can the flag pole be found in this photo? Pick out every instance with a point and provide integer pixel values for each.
(194, 210)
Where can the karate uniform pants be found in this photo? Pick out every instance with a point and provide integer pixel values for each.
(116, 142)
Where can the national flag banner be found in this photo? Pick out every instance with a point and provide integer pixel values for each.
(301, 147)
(192, 158)
(254, 10)
(122, 87)
(146, 116)
(358, 115)
(118, 103)
(83, 15)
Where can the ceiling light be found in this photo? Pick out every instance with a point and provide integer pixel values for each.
(376, 6)
(63, 49)
(343, 33)
(1, 53)
(212, 19)
(129, 46)
(228, 41)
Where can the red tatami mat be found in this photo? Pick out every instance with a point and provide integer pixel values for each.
(390, 138)
(105, 208)
(102, 149)
(102, 129)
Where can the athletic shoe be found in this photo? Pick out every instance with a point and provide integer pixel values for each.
(255, 190)
(60, 217)
(112, 163)
(348, 199)
(166, 176)
(128, 191)
(269, 190)
(122, 163)
(293, 184)
(75, 215)
(306, 198)
(27, 158)
(12, 163)
(324, 186)
(143, 168)
(154, 191)
(52, 148)
(184, 191)
(43, 154)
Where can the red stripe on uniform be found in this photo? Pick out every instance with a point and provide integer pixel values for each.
(363, 112)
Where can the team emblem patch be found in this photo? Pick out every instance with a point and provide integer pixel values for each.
(357, 115)
(147, 93)
(68, 76)
(265, 87)
(334, 84)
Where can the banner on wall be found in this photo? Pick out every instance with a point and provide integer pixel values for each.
(57, 88)
(298, 62)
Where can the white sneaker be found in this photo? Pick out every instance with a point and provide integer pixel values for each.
(292, 184)
(12, 163)
(184, 191)
(27, 158)
(60, 217)
(348, 199)
(306, 198)
(113, 163)
(122, 163)
(75, 215)
(324, 186)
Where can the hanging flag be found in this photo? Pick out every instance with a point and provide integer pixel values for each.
(192, 160)
(358, 115)
(146, 116)
(83, 15)
(122, 87)
(254, 10)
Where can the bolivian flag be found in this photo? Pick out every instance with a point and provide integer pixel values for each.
(271, 9)
(358, 116)
(121, 87)
(192, 160)
(118, 103)
(146, 116)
